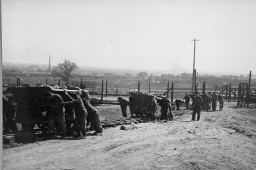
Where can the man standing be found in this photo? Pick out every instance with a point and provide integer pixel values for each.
(123, 103)
(221, 101)
(205, 102)
(93, 117)
(197, 103)
(177, 102)
(187, 99)
(214, 101)
(55, 112)
(165, 106)
(81, 115)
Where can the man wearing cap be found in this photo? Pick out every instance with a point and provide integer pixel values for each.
(197, 103)
(55, 112)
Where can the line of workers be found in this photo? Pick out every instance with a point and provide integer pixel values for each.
(199, 102)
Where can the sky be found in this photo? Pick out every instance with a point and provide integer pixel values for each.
(133, 34)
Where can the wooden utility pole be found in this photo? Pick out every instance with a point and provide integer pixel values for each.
(194, 64)
(195, 87)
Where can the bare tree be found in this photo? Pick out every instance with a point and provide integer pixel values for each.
(64, 70)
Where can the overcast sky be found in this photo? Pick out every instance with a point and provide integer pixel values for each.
(139, 34)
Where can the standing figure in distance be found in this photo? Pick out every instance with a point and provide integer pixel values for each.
(123, 103)
(165, 106)
(197, 104)
(221, 101)
(187, 99)
(214, 101)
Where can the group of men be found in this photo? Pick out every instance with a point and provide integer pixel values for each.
(203, 103)
(76, 113)
(163, 102)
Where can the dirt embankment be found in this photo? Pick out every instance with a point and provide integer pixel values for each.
(220, 140)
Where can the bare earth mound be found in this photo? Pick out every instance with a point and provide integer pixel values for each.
(220, 140)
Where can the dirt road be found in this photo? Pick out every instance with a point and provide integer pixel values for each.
(220, 140)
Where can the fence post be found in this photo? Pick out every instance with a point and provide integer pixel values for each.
(204, 87)
(138, 85)
(149, 85)
(172, 93)
(81, 82)
(215, 88)
(102, 88)
(226, 91)
(229, 93)
(247, 96)
(46, 81)
(59, 82)
(239, 94)
(106, 91)
(168, 87)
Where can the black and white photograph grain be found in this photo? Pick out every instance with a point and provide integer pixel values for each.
(128, 84)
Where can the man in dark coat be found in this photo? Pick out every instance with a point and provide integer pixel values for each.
(8, 116)
(214, 101)
(123, 104)
(197, 104)
(55, 112)
(165, 106)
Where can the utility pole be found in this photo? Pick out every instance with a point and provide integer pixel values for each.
(194, 64)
